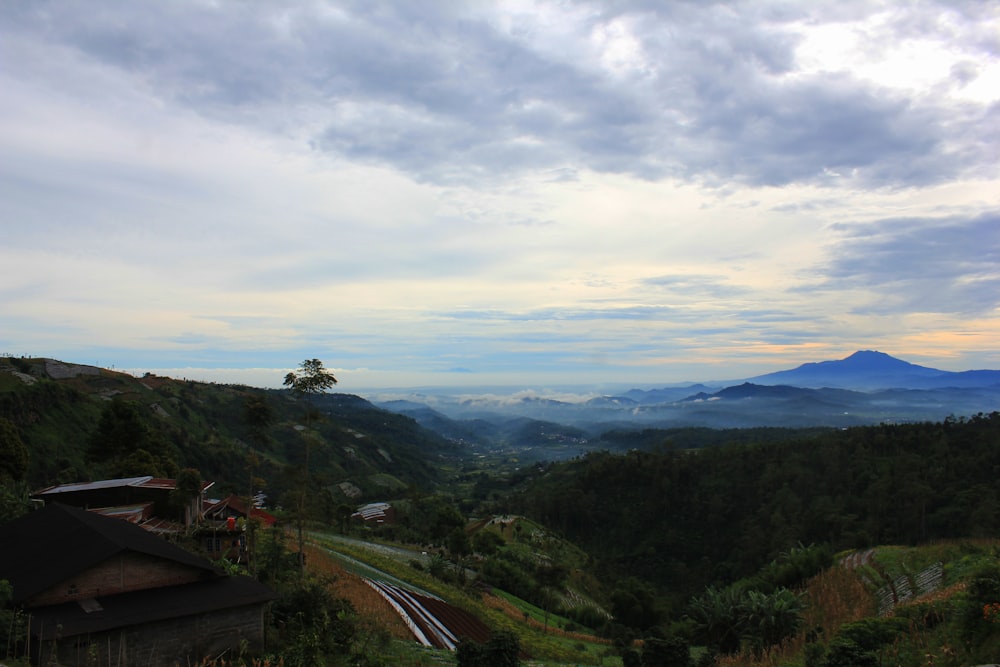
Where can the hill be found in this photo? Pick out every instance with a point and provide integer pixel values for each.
(909, 606)
(686, 519)
(621, 543)
(356, 450)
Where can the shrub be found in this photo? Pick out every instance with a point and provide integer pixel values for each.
(845, 653)
(870, 634)
(502, 650)
(673, 652)
(312, 623)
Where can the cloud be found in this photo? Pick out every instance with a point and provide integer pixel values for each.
(470, 95)
(690, 286)
(418, 187)
(937, 265)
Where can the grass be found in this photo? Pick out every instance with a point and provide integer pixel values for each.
(842, 595)
(529, 610)
(555, 647)
(367, 603)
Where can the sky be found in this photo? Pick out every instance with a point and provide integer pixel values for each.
(499, 193)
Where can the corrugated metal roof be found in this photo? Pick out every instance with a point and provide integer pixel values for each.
(373, 511)
(131, 513)
(145, 482)
(90, 486)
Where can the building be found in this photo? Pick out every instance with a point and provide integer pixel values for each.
(114, 494)
(99, 590)
(375, 514)
(235, 507)
(223, 533)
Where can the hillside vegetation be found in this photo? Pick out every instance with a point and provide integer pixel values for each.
(756, 546)
(687, 519)
(68, 416)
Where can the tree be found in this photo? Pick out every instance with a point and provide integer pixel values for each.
(120, 431)
(502, 650)
(550, 578)
(458, 544)
(771, 618)
(311, 379)
(672, 652)
(13, 623)
(718, 615)
(633, 604)
(14, 500)
(313, 624)
(140, 462)
(259, 416)
(13, 452)
(728, 616)
(486, 542)
(186, 496)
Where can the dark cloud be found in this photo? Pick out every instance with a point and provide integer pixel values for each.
(939, 265)
(453, 97)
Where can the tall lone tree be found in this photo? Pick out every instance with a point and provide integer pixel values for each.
(311, 380)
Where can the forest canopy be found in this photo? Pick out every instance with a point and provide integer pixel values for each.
(686, 519)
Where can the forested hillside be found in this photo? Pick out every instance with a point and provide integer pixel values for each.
(655, 534)
(80, 423)
(685, 519)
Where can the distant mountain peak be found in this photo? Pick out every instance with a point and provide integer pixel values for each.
(862, 369)
(869, 357)
(869, 360)
(870, 354)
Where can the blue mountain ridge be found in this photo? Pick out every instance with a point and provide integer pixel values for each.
(870, 369)
(867, 387)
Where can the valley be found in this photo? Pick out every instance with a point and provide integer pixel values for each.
(587, 540)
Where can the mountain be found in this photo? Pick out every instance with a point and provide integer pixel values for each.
(869, 370)
(664, 395)
(868, 387)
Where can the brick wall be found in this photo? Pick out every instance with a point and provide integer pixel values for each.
(128, 571)
(182, 641)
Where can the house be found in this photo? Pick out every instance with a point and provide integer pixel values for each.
(223, 532)
(235, 507)
(100, 590)
(129, 491)
(375, 513)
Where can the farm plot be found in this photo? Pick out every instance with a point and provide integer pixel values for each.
(433, 621)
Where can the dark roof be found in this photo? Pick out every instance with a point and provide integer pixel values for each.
(156, 604)
(50, 545)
